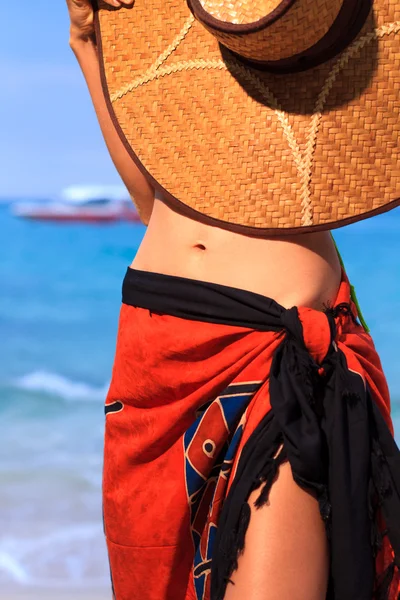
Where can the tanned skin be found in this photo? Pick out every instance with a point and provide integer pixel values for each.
(286, 552)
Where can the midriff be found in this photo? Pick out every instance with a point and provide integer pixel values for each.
(297, 270)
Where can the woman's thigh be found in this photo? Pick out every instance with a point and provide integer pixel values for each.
(286, 550)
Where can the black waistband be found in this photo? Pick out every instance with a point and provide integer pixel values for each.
(201, 301)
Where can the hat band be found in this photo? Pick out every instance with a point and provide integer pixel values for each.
(348, 24)
(240, 16)
(283, 45)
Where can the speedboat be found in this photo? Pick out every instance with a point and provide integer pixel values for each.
(88, 204)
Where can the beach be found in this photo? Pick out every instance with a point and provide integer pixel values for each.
(59, 309)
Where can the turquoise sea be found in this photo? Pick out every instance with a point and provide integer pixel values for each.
(59, 301)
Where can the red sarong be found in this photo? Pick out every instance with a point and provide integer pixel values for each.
(190, 387)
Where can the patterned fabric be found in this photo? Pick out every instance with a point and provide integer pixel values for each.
(192, 396)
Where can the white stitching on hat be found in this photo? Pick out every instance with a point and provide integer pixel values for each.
(147, 76)
(303, 161)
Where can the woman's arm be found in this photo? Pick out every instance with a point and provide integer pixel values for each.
(286, 553)
(83, 45)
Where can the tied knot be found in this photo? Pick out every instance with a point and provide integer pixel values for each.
(311, 329)
(292, 324)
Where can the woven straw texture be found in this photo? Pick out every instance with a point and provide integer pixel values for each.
(253, 149)
(239, 11)
(297, 30)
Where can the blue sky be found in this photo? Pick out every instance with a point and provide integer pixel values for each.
(49, 136)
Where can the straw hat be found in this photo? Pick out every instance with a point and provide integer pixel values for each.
(262, 116)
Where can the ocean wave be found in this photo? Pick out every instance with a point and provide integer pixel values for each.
(75, 554)
(55, 384)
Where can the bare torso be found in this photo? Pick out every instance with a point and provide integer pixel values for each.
(301, 270)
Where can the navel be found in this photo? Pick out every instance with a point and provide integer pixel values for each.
(200, 246)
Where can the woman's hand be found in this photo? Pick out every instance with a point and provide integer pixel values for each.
(81, 17)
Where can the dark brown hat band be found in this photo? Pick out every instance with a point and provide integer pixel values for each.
(212, 22)
(262, 43)
(344, 30)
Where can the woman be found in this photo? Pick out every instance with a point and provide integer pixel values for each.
(286, 554)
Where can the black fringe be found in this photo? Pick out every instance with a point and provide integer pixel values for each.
(338, 399)
(343, 308)
(255, 468)
(244, 521)
(268, 475)
(325, 507)
(382, 480)
(373, 506)
(235, 546)
(383, 589)
(235, 542)
(351, 398)
(381, 489)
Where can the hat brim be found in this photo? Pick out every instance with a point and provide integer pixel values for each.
(257, 153)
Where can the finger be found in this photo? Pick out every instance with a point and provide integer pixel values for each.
(79, 4)
(119, 3)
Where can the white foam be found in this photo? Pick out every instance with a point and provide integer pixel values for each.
(73, 555)
(14, 569)
(52, 383)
